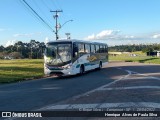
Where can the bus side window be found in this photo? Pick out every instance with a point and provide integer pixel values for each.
(92, 49)
(81, 50)
(97, 48)
(75, 50)
(87, 48)
(106, 48)
(101, 49)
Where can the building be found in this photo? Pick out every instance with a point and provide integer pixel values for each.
(154, 53)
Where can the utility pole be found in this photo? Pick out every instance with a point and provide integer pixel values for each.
(56, 17)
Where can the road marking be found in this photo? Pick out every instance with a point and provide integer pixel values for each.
(130, 88)
(156, 78)
(104, 105)
(107, 85)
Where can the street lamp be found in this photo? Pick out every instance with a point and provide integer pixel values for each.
(60, 26)
(65, 23)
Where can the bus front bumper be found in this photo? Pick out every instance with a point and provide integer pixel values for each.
(64, 72)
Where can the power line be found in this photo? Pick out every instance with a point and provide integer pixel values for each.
(38, 16)
(46, 4)
(53, 4)
(29, 10)
(41, 11)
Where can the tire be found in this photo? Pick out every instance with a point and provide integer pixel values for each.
(81, 71)
(100, 65)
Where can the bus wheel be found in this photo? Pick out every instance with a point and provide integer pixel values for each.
(81, 69)
(100, 65)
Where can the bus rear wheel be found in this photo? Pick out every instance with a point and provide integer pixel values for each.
(81, 69)
(100, 65)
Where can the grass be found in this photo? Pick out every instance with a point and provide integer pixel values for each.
(24, 69)
(18, 70)
(141, 59)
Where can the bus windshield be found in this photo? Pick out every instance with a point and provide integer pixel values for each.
(58, 53)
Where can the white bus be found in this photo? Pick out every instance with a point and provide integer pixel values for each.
(70, 57)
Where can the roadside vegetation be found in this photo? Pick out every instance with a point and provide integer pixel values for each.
(133, 48)
(139, 57)
(20, 69)
(26, 69)
(23, 61)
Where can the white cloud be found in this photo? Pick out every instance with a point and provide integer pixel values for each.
(155, 36)
(91, 37)
(26, 34)
(20, 35)
(116, 37)
(46, 40)
(110, 35)
(10, 42)
(107, 34)
(129, 37)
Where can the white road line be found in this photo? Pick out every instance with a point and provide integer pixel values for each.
(89, 92)
(148, 76)
(111, 83)
(104, 105)
(133, 87)
(137, 78)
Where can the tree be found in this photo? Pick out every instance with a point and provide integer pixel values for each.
(1, 48)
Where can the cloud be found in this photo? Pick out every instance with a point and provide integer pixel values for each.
(117, 37)
(110, 35)
(91, 37)
(26, 34)
(10, 42)
(105, 34)
(46, 40)
(19, 35)
(129, 37)
(156, 36)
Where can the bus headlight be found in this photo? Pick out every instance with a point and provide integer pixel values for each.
(68, 66)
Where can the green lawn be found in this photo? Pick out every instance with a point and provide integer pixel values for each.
(18, 70)
(24, 69)
(141, 59)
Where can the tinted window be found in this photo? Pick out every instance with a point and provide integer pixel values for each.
(97, 48)
(81, 48)
(87, 48)
(106, 48)
(101, 49)
(92, 49)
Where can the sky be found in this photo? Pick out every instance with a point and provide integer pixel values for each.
(115, 22)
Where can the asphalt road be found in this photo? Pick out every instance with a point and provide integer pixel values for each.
(118, 85)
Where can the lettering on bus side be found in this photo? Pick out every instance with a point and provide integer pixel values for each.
(92, 58)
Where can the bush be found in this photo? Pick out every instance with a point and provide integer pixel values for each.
(16, 55)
